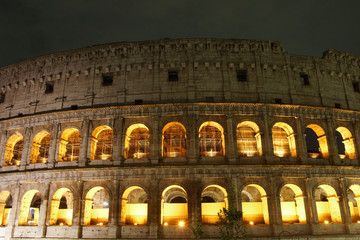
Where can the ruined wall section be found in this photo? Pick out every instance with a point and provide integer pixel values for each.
(207, 72)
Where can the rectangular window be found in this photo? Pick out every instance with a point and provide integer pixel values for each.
(241, 75)
(337, 105)
(356, 87)
(49, 87)
(2, 97)
(107, 79)
(173, 76)
(304, 78)
(278, 100)
(138, 101)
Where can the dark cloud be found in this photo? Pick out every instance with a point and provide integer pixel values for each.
(36, 27)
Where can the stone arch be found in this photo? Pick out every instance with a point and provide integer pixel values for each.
(134, 206)
(137, 141)
(96, 208)
(323, 151)
(174, 206)
(211, 137)
(61, 211)
(348, 142)
(102, 140)
(353, 195)
(5, 207)
(30, 208)
(213, 199)
(248, 139)
(292, 204)
(174, 140)
(283, 137)
(40, 147)
(255, 208)
(69, 145)
(13, 150)
(327, 204)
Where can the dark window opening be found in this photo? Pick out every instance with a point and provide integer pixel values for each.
(63, 203)
(356, 87)
(210, 99)
(304, 79)
(2, 97)
(241, 75)
(107, 79)
(278, 100)
(138, 101)
(74, 107)
(207, 199)
(173, 76)
(178, 200)
(337, 105)
(49, 87)
(340, 143)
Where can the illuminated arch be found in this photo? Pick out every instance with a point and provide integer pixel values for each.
(323, 150)
(248, 139)
(254, 205)
(327, 204)
(353, 195)
(137, 141)
(102, 143)
(283, 140)
(211, 136)
(5, 207)
(174, 206)
(292, 204)
(13, 150)
(30, 208)
(174, 140)
(40, 147)
(348, 141)
(213, 199)
(96, 209)
(69, 145)
(134, 206)
(61, 212)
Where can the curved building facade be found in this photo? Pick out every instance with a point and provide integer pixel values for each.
(143, 139)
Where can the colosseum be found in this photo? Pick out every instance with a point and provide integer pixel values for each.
(144, 139)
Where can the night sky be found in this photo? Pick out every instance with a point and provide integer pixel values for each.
(31, 28)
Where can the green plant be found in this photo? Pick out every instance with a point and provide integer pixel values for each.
(197, 229)
(230, 220)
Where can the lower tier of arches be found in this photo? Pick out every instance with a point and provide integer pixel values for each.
(162, 202)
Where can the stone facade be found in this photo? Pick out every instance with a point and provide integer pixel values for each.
(130, 86)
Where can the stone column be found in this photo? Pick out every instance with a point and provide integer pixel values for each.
(335, 209)
(267, 147)
(275, 205)
(53, 143)
(311, 205)
(114, 210)
(193, 153)
(43, 211)
(334, 157)
(3, 141)
(357, 141)
(154, 210)
(302, 149)
(84, 134)
(344, 206)
(117, 144)
(231, 146)
(268, 218)
(357, 199)
(155, 144)
(25, 156)
(16, 201)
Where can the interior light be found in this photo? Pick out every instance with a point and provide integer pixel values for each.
(181, 223)
(326, 222)
(165, 223)
(251, 223)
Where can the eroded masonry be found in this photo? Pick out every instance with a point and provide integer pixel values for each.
(136, 140)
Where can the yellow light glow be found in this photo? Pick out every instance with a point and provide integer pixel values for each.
(326, 222)
(251, 223)
(135, 224)
(105, 156)
(61, 224)
(17, 162)
(358, 221)
(250, 153)
(211, 153)
(342, 156)
(280, 153)
(165, 223)
(173, 154)
(139, 155)
(99, 224)
(181, 224)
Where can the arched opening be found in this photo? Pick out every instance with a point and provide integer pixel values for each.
(13, 150)
(316, 142)
(211, 136)
(254, 205)
(283, 140)
(5, 207)
(96, 211)
(174, 140)
(292, 204)
(69, 145)
(353, 195)
(345, 143)
(134, 206)
(137, 141)
(327, 204)
(213, 199)
(101, 143)
(174, 207)
(30, 208)
(40, 148)
(248, 139)
(61, 212)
